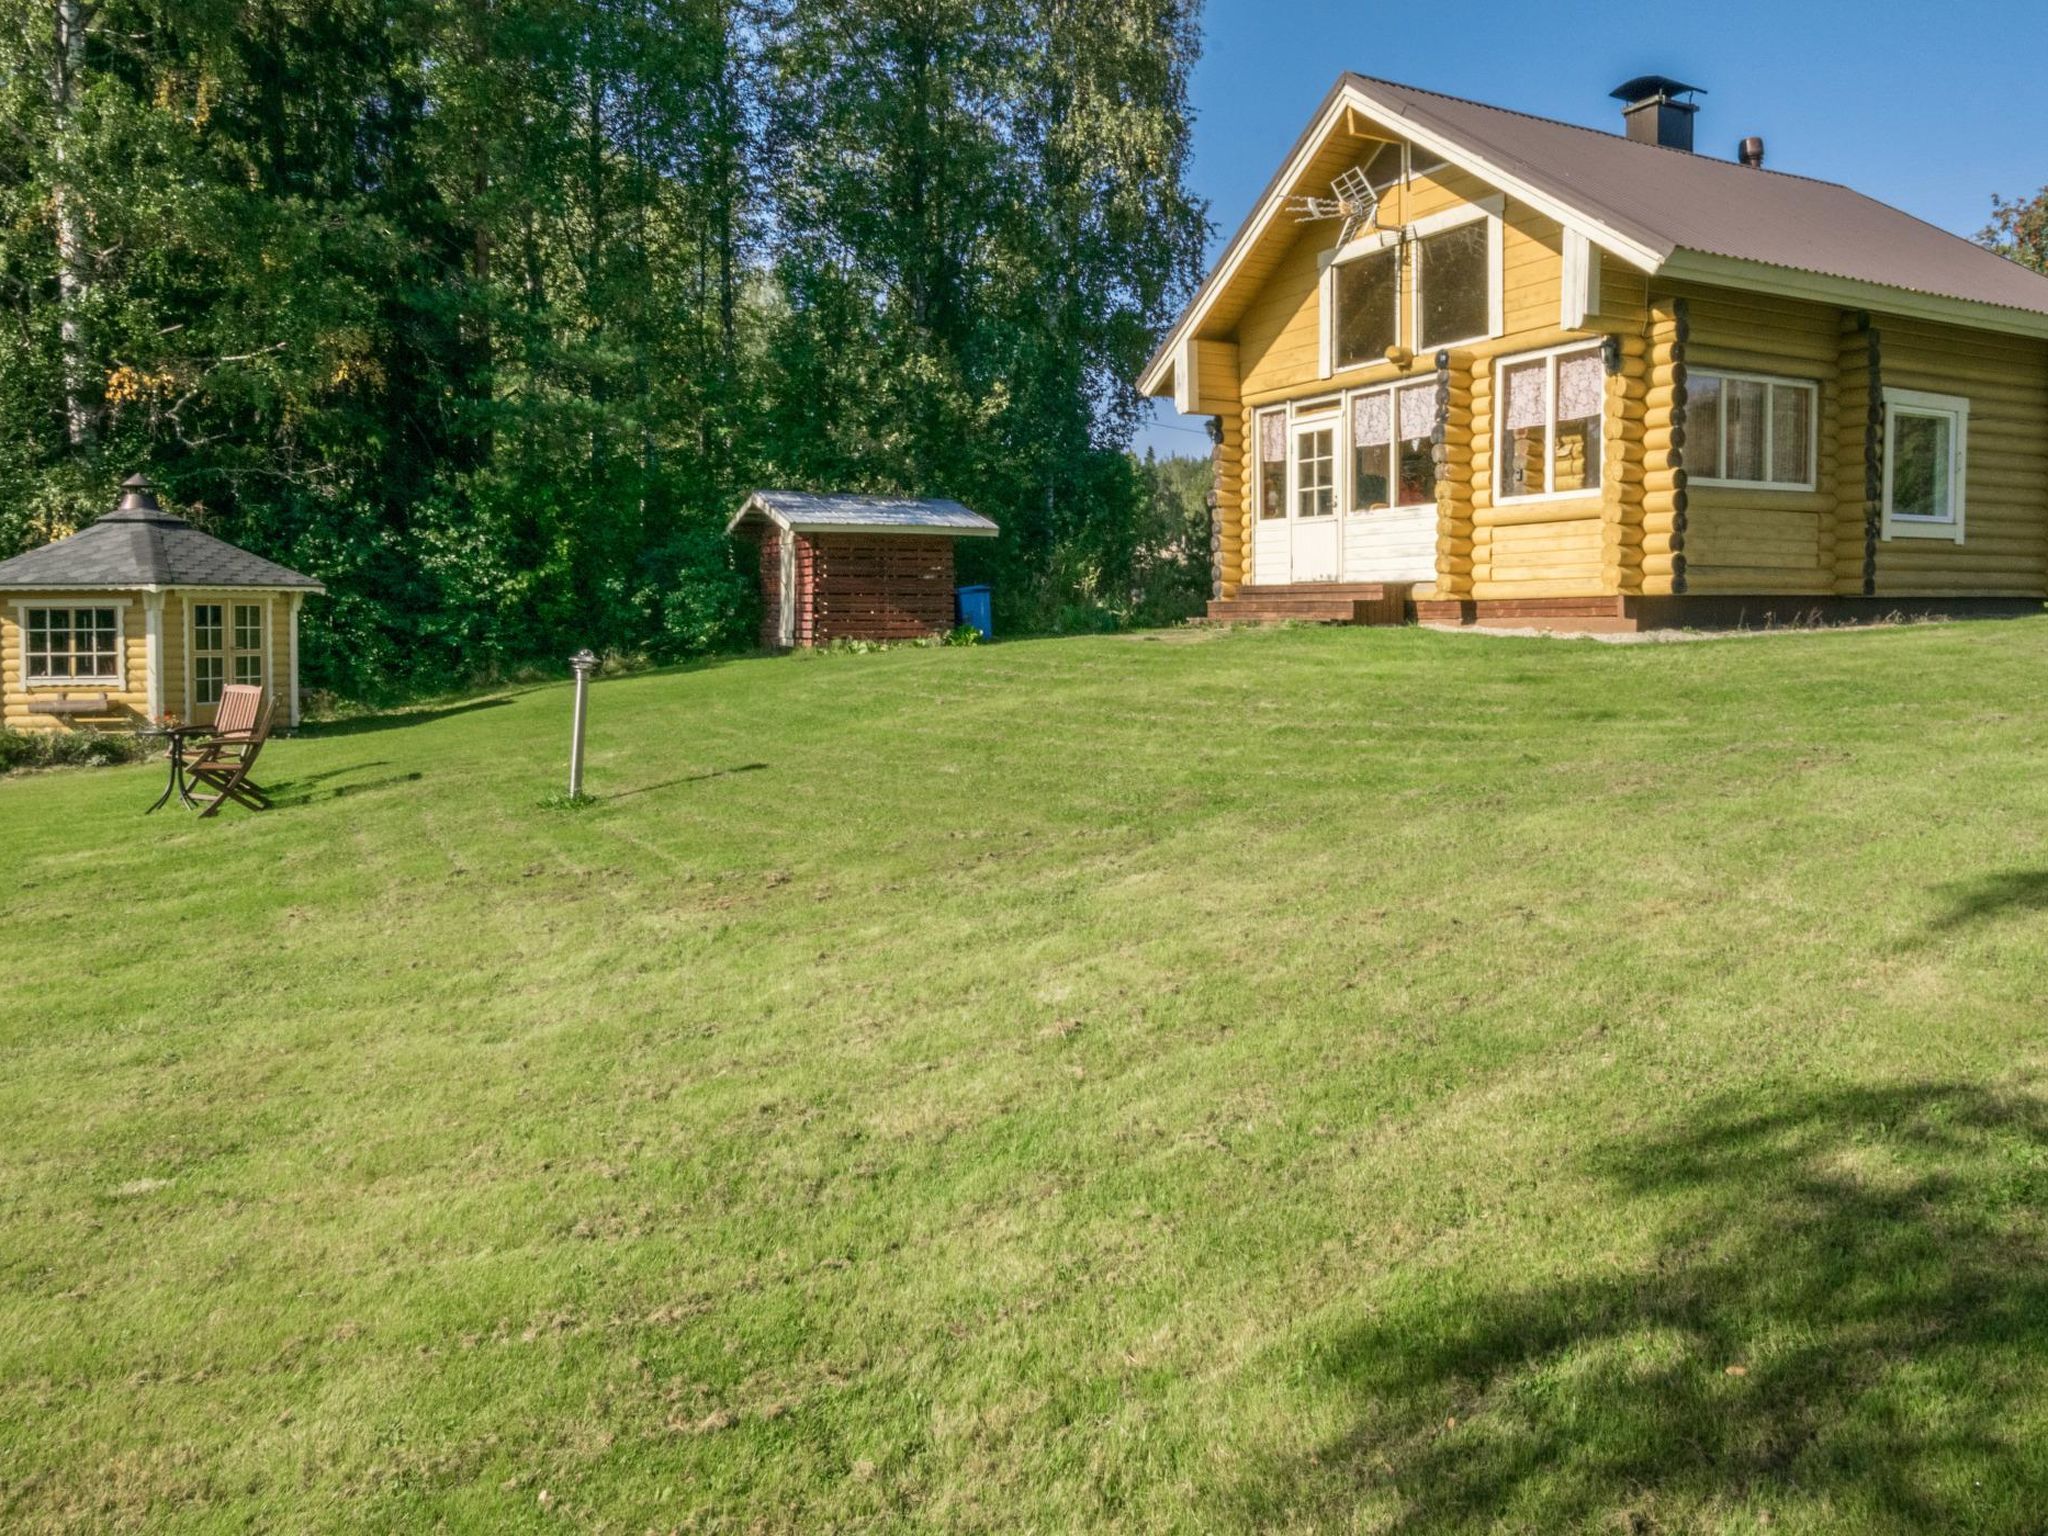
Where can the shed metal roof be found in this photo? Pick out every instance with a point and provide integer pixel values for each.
(139, 544)
(806, 512)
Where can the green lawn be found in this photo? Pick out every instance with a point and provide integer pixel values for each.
(1299, 1080)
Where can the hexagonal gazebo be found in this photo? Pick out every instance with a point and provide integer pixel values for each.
(140, 615)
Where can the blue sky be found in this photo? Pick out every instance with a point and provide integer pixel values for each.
(1931, 108)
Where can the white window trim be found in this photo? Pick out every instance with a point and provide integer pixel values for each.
(1392, 390)
(1259, 466)
(1407, 289)
(227, 599)
(1920, 402)
(1795, 487)
(1500, 426)
(1326, 300)
(1489, 209)
(118, 681)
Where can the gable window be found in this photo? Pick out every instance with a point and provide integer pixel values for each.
(71, 645)
(1750, 430)
(1453, 285)
(1549, 408)
(1924, 443)
(1272, 464)
(1393, 448)
(1365, 298)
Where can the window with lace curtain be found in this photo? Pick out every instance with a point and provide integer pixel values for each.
(1549, 407)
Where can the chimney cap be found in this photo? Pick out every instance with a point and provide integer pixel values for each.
(1751, 152)
(1650, 87)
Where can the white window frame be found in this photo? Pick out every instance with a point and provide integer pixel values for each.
(1500, 425)
(1322, 417)
(1899, 525)
(1771, 381)
(1407, 290)
(1489, 209)
(118, 680)
(1392, 389)
(1326, 298)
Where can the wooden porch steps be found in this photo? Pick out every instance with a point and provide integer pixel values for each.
(1321, 602)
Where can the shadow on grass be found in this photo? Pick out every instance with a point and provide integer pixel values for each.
(357, 725)
(307, 791)
(1974, 901)
(1843, 1327)
(695, 778)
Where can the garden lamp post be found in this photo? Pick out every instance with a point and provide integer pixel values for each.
(584, 663)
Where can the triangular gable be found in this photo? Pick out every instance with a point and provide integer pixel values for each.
(1353, 109)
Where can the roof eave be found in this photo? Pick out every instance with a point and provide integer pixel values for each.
(950, 531)
(1686, 265)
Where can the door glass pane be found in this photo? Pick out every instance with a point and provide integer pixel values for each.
(1365, 299)
(1920, 467)
(248, 627)
(207, 627)
(1416, 422)
(1525, 444)
(1791, 433)
(1743, 438)
(207, 676)
(1703, 426)
(1273, 464)
(1451, 284)
(1315, 473)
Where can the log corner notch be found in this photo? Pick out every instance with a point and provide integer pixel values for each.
(1627, 360)
(1859, 447)
(1214, 502)
(1451, 448)
(1664, 478)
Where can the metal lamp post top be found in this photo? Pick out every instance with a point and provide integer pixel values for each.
(584, 661)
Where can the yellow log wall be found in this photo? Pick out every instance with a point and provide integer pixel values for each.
(2005, 499)
(1764, 541)
(1665, 503)
(127, 704)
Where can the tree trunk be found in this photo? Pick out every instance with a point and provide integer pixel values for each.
(70, 17)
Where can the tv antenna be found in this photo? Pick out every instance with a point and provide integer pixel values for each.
(1352, 199)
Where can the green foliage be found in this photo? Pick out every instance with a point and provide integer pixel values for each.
(2018, 230)
(61, 749)
(488, 313)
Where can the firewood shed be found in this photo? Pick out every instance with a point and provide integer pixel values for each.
(854, 567)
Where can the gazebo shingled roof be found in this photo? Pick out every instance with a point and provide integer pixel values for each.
(139, 544)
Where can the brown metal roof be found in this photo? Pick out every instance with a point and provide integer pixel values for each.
(1665, 201)
(1669, 200)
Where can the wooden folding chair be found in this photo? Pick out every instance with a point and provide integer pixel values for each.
(225, 758)
(235, 714)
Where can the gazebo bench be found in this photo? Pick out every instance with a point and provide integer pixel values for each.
(90, 704)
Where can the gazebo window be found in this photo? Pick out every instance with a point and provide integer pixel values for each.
(249, 643)
(209, 659)
(78, 645)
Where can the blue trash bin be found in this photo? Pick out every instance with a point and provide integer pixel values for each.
(973, 605)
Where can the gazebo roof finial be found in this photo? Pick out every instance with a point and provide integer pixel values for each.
(138, 495)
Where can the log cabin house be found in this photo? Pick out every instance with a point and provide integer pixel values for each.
(1537, 373)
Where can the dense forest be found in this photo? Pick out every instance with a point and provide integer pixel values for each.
(486, 312)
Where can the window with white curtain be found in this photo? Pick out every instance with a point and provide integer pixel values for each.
(1272, 464)
(1393, 448)
(1549, 439)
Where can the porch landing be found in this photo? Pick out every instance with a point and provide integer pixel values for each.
(1320, 602)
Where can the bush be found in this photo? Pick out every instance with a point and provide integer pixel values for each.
(83, 749)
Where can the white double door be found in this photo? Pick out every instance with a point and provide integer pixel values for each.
(1315, 521)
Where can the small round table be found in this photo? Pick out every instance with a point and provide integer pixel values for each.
(176, 736)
